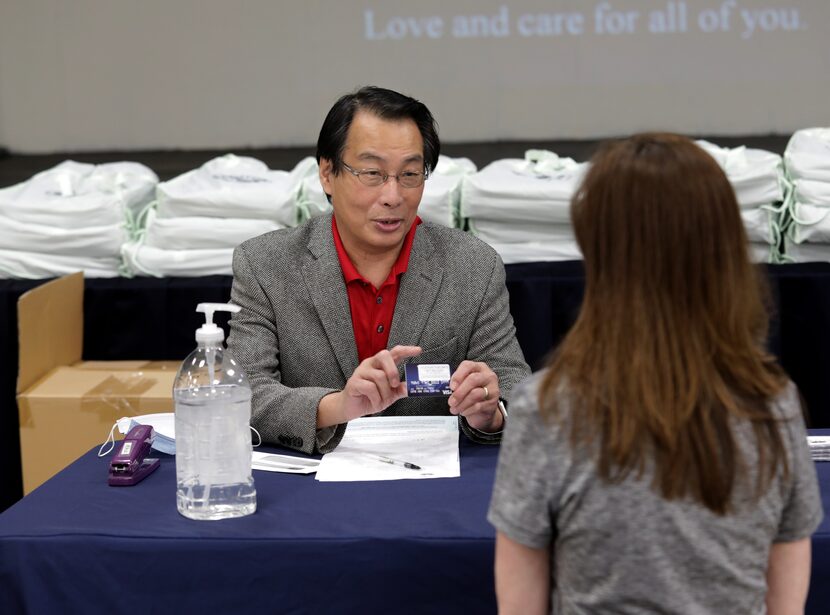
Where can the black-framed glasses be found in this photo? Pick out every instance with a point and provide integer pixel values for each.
(376, 177)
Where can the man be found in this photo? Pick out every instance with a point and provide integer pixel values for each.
(332, 308)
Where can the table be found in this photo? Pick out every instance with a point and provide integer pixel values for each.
(76, 545)
(154, 319)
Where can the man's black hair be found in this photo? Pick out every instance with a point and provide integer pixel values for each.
(385, 104)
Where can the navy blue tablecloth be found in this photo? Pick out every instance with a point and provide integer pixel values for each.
(76, 545)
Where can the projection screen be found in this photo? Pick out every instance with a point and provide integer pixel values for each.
(116, 74)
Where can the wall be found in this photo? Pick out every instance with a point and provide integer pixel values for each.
(149, 74)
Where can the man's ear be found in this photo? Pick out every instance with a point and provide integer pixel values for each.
(326, 173)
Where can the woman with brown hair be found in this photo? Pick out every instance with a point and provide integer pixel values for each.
(659, 463)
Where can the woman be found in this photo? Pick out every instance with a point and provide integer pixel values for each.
(659, 463)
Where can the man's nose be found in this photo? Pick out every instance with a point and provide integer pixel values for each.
(392, 193)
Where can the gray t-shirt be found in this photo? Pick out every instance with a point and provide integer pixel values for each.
(622, 548)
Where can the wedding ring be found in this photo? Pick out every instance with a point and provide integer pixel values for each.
(486, 393)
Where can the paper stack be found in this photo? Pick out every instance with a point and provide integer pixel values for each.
(819, 447)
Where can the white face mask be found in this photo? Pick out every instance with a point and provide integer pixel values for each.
(164, 426)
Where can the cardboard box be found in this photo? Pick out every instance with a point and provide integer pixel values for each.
(67, 406)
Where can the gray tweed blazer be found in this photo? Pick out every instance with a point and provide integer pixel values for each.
(294, 338)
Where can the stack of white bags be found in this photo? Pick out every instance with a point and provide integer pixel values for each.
(117, 219)
(439, 203)
(761, 188)
(200, 216)
(807, 161)
(70, 217)
(522, 207)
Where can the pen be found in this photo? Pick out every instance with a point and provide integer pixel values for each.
(395, 462)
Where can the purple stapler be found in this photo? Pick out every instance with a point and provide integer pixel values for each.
(130, 464)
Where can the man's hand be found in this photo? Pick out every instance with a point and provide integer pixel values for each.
(475, 396)
(374, 386)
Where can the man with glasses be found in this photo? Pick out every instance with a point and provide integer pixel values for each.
(332, 308)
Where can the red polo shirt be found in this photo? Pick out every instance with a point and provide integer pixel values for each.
(372, 308)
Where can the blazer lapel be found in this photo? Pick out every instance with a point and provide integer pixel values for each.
(324, 280)
(418, 292)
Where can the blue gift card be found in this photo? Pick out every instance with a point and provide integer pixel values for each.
(428, 380)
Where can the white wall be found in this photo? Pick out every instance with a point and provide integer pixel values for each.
(144, 74)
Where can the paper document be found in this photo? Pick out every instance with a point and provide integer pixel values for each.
(393, 448)
(819, 447)
(283, 463)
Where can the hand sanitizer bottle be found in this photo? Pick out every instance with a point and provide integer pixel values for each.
(213, 440)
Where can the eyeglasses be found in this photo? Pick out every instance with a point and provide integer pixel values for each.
(376, 177)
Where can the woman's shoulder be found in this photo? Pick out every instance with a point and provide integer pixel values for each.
(525, 395)
(786, 406)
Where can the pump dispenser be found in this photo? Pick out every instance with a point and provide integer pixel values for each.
(210, 332)
(213, 414)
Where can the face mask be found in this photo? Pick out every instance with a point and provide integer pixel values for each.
(164, 426)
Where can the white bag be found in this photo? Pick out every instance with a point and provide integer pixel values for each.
(808, 154)
(756, 175)
(441, 200)
(762, 224)
(311, 200)
(805, 252)
(812, 192)
(809, 224)
(497, 232)
(76, 195)
(36, 265)
(235, 187)
(763, 253)
(93, 241)
(189, 233)
(512, 190)
(532, 251)
(140, 259)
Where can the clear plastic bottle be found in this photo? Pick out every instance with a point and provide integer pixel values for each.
(213, 440)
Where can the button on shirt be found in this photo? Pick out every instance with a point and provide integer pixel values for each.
(372, 308)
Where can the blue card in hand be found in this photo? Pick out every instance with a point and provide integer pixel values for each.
(428, 380)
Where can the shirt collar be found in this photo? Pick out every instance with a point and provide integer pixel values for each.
(350, 272)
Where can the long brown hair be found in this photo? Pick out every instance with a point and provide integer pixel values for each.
(668, 346)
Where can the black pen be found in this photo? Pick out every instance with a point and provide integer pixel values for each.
(394, 462)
